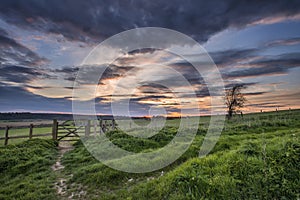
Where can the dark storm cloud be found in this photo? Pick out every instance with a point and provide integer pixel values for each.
(255, 72)
(188, 72)
(151, 98)
(70, 88)
(67, 70)
(18, 98)
(141, 51)
(36, 87)
(115, 71)
(232, 56)
(220, 58)
(18, 64)
(18, 74)
(254, 93)
(84, 20)
(260, 66)
(267, 66)
(285, 60)
(245, 85)
(90, 73)
(194, 79)
(284, 42)
(11, 52)
(14, 98)
(154, 88)
(205, 92)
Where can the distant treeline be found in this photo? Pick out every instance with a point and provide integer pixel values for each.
(28, 115)
(15, 116)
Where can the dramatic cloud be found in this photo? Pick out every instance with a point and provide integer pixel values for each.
(89, 73)
(232, 56)
(289, 41)
(18, 99)
(90, 20)
(152, 88)
(11, 52)
(267, 66)
(42, 44)
(18, 74)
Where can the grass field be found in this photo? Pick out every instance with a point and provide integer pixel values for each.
(14, 131)
(25, 170)
(256, 157)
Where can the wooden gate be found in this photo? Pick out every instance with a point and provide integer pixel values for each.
(68, 131)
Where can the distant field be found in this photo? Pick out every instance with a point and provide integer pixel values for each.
(23, 123)
(21, 128)
(25, 132)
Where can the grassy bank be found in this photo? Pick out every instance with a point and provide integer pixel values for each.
(255, 158)
(25, 171)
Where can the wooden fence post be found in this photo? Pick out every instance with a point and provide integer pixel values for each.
(113, 124)
(30, 131)
(101, 126)
(6, 135)
(95, 127)
(54, 129)
(88, 128)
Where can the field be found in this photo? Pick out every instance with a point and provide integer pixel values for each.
(256, 157)
(25, 132)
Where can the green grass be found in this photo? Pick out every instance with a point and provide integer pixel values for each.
(25, 171)
(256, 157)
(230, 175)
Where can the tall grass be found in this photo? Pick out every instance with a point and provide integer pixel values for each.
(255, 158)
(25, 171)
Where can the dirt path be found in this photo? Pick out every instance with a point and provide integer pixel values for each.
(61, 183)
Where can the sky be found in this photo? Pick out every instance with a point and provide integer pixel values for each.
(43, 45)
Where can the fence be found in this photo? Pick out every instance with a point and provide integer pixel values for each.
(65, 131)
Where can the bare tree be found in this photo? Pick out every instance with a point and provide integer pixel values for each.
(234, 99)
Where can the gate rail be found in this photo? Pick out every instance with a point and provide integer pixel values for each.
(67, 129)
